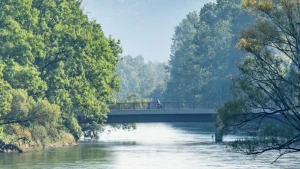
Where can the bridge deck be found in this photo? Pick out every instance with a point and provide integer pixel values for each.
(169, 112)
(161, 111)
(154, 118)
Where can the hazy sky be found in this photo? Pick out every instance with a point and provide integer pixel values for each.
(144, 26)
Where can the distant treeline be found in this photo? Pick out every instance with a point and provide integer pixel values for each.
(140, 79)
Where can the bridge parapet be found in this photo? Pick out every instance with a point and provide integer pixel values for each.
(164, 106)
(157, 112)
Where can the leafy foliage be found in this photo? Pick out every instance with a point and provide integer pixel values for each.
(139, 78)
(203, 54)
(30, 122)
(57, 69)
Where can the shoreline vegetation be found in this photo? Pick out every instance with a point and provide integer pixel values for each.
(19, 147)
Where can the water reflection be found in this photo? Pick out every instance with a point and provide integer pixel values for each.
(159, 146)
(60, 157)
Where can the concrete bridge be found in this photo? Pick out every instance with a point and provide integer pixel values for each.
(150, 112)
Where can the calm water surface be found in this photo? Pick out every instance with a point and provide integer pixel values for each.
(150, 146)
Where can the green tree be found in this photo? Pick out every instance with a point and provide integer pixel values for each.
(79, 63)
(182, 54)
(30, 123)
(203, 55)
(141, 78)
(5, 95)
(269, 84)
(52, 55)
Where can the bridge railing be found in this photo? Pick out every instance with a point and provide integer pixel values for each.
(164, 106)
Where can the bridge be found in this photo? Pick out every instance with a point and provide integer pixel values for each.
(150, 112)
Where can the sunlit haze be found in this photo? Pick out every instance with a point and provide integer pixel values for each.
(149, 84)
(145, 27)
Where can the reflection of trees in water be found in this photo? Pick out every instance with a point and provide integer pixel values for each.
(196, 128)
(70, 155)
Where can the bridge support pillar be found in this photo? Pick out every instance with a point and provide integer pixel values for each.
(218, 133)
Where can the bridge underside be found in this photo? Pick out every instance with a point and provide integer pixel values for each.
(155, 118)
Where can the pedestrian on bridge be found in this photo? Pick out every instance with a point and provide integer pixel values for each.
(158, 104)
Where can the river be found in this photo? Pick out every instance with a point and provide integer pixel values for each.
(150, 146)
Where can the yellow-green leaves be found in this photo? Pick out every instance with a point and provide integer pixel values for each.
(262, 5)
(265, 6)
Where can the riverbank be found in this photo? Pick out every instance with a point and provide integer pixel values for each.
(23, 145)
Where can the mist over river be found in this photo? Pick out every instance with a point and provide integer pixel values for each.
(150, 146)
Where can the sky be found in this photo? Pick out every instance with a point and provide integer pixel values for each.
(145, 27)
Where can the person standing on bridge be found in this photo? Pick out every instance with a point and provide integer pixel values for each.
(158, 105)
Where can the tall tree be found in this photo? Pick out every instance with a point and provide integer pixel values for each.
(204, 56)
(269, 85)
(51, 54)
(79, 64)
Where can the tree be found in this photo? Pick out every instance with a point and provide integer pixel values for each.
(52, 55)
(78, 65)
(269, 84)
(203, 54)
(29, 123)
(140, 78)
(182, 54)
(5, 95)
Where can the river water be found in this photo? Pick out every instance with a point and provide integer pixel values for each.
(150, 146)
